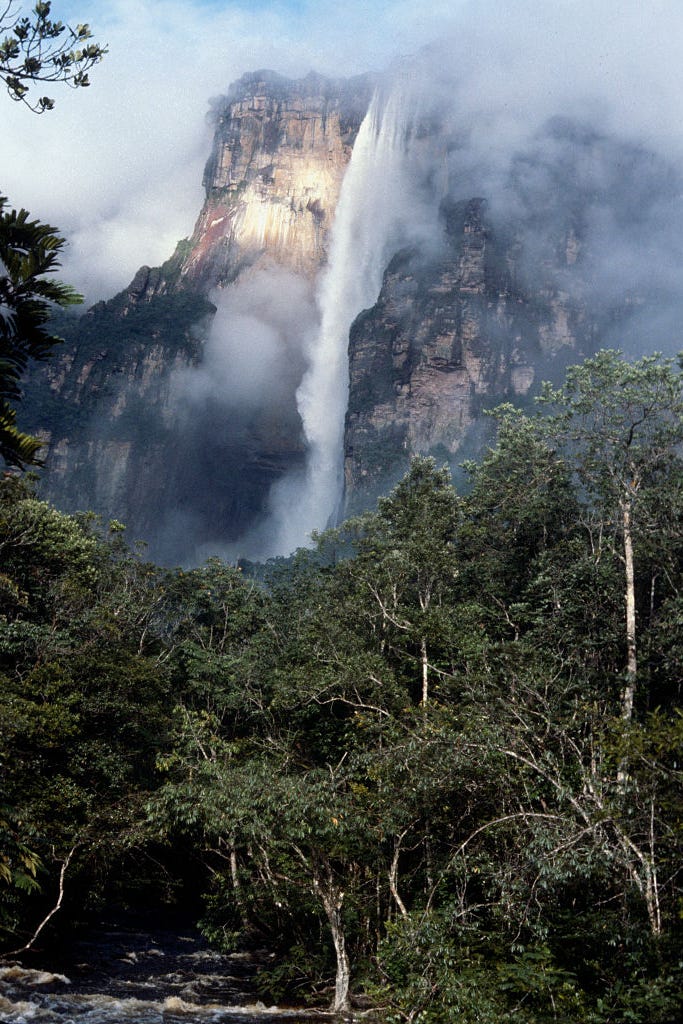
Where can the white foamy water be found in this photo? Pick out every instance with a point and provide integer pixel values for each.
(129, 977)
(97, 1008)
(372, 206)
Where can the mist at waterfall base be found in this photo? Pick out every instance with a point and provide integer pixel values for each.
(244, 387)
(257, 343)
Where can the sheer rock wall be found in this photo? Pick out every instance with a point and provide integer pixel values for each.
(449, 337)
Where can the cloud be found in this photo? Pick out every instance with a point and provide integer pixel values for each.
(506, 68)
(567, 113)
(118, 167)
(253, 357)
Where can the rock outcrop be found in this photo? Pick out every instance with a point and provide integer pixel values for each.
(516, 290)
(119, 438)
(272, 182)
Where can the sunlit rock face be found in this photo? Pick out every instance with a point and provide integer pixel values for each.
(175, 406)
(272, 182)
(122, 437)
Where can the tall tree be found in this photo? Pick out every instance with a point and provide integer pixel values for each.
(406, 563)
(621, 425)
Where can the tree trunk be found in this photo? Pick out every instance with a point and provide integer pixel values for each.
(425, 672)
(393, 876)
(628, 692)
(332, 901)
(57, 906)
(237, 887)
(332, 898)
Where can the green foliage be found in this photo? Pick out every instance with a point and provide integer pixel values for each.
(28, 251)
(18, 864)
(444, 973)
(36, 49)
(403, 758)
(620, 422)
(82, 699)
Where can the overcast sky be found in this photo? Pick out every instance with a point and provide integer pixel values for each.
(117, 167)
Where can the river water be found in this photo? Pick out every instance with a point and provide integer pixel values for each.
(120, 974)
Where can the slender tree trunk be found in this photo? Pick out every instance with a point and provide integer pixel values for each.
(628, 692)
(643, 871)
(393, 876)
(332, 898)
(237, 886)
(57, 906)
(425, 672)
(332, 901)
(429, 869)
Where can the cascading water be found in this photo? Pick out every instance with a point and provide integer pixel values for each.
(372, 205)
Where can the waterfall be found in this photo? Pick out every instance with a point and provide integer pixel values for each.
(372, 204)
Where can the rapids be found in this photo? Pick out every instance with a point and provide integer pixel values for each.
(121, 974)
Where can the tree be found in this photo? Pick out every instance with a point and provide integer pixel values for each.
(37, 49)
(29, 250)
(520, 506)
(83, 698)
(406, 564)
(403, 769)
(621, 425)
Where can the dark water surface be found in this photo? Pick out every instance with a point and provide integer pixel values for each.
(124, 973)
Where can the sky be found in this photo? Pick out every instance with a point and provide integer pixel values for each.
(117, 167)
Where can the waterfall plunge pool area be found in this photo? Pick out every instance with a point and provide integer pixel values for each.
(120, 973)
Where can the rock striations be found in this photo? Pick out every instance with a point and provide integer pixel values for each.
(272, 182)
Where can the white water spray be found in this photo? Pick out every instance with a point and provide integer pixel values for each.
(366, 231)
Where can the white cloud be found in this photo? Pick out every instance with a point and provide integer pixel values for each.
(118, 167)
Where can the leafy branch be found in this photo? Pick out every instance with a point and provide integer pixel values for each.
(38, 49)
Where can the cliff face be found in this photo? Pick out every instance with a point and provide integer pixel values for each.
(272, 182)
(571, 255)
(125, 441)
(121, 438)
(449, 337)
(178, 417)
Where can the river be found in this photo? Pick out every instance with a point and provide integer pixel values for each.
(121, 973)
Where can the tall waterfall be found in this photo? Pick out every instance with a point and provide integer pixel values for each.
(372, 203)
